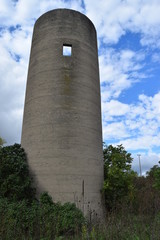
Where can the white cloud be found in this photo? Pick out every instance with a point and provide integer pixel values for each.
(116, 17)
(119, 70)
(115, 130)
(156, 57)
(115, 108)
(138, 125)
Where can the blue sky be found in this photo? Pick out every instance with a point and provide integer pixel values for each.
(129, 59)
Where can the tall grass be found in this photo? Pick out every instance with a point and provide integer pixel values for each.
(124, 225)
(138, 219)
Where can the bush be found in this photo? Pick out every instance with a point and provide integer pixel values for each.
(40, 220)
(15, 181)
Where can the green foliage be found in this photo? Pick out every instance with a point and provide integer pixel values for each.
(15, 181)
(46, 199)
(58, 219)
(155, 174)
(118, 175)
(39, 220)
(146, 197)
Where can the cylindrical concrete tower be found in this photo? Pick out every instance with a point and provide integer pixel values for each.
(62, 133)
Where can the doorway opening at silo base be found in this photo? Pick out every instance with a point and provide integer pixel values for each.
(67, 50)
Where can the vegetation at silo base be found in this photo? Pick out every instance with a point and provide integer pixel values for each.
(132, 202)
(22, 216)
(15, 182)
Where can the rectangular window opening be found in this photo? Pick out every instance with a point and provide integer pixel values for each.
(67, 50)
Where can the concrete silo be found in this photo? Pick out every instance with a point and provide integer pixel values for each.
(62, 133)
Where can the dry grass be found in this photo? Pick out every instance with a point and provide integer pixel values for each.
(137, 220)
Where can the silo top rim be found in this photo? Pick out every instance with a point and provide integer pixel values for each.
(65, 10)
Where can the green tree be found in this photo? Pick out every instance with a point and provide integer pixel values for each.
(15, 181)
(118, 175)
(154, 173)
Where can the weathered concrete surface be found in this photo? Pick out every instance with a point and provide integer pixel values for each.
(62, 131)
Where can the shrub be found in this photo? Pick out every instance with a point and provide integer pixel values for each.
(15, 181)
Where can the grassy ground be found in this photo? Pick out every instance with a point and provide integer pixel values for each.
(123, 225)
